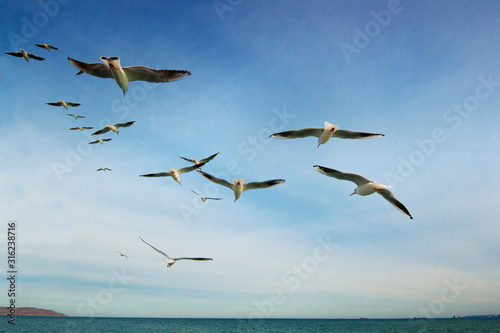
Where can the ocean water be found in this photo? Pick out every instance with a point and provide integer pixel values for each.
(77, 324)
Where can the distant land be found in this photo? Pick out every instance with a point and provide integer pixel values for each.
(29, 311)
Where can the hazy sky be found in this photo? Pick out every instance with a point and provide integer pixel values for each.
(424, 73)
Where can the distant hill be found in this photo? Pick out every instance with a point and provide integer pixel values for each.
(31, 312)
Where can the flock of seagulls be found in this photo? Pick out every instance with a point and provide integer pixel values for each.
(111, 68)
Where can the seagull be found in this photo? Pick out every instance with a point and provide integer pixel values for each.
(195, 161)
(25, 55)
(99, 141)
(75, 115)
(365, 186)
(113, 128)
(205, 198)
(238, 185)
(81, 128)
(111, 68)
(324, 134)
(122, 255)
(46, 46)
(63, 104)
(174, 173)
(103, 169)
(171, 261)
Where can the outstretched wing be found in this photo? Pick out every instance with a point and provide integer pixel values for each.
(142, 73)
(302, 133)
(357, 179)
(216, 180)
(95, 69)
(159, 174)
(101, 131)
(197, 259)
(154, 248)
(209, 158)
(15, 54)
(54, 104)
(266, 184)
(191, 168)
(35, 57)
(127, 124)
(346, 134)
(73, 104)
(389, 196)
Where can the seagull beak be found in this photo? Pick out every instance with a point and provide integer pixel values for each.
(353, 193)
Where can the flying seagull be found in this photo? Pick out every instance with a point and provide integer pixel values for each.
(122, 255)
(25, 55)
(81, 128)
(112, 69)
(171, 261)
(47, 46)
(205, 198)
(99, 141)
(113, 128)
(238, 185)
(365, 186)
(75, 115)
(195, 161)
(103, 169)
(324, 134)
(174, 173)
(64, 104)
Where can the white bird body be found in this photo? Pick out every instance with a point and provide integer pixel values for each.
(174, 173)
(365, 186)
(239, 186)
(171, 261)
(324, 134)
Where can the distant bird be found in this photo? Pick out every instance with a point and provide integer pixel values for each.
(99, 141)
(75, 115)
(171, 261)
(238, 185)
(81, 128)
(205, 198)
(195, 161)
(365, 186)
(324, 134)
(25, 55)
(122, 255)
(104, 169)
(47, 46)
(64, 104)
(113, 128)
(111, 68)
(174, 173)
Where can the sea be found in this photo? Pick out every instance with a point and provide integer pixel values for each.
(120, 325)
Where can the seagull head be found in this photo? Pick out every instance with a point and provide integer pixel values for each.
(170, 262)
(112, 62)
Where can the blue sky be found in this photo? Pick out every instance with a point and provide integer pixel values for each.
(425, 74)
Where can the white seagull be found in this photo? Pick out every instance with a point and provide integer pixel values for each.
(171, 261)
(238, 185)
(113, 128)
(47, 46)
(112, 69)
(75, 115)
(365, 186)
(104, 169)
(205, 198)
(99, 141)
(324, 134)
(122, 255)
(81, 128)
(174, 173)
(195, 161)
(64, 104)
(25, 55)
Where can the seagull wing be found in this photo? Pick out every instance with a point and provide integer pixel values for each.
(107, 139)
(93, 142)
(216, 180)
(209, 158)
(159, 174)
(357, 179)
(266, 184)
(141, 73)
(389, 196)
(195, 193)
(302, 133)
(186, 159)
(96, 69)
(154, 248)
(214, 198)
(54, 104)
(52, 47)
(191, 168)
(346, 134)
(87, 127)
(127, 124)
(72, 104)
(35, 57)
(101, 131)
(15, 54)
(197, 259)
